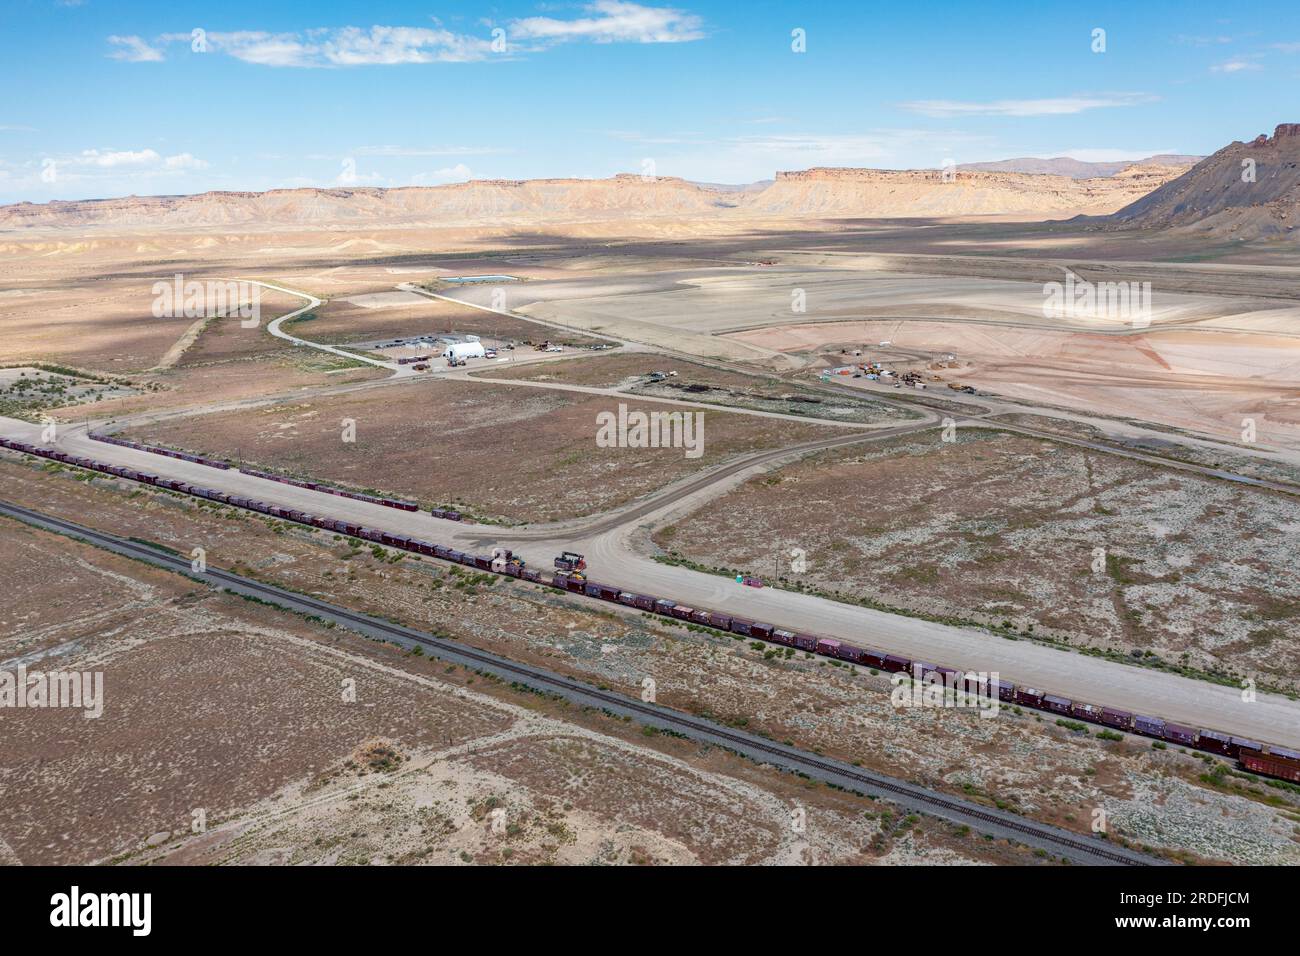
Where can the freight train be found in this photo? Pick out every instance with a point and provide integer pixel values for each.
(297, 483)
(1265, 760)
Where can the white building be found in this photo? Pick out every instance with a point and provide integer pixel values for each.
(464, 350)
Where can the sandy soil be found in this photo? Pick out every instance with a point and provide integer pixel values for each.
(522, 454)
(1001, 528)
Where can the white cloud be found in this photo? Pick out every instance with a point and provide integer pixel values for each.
(110, 158)
(614, 21)
(459, 173)
(608, 21)
(184, 161)
(134, 50)
(1057, 106)
(1287, 47)
(131, 159)
(1236, 65)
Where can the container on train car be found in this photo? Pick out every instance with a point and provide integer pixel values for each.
(1116, 718)
(783, 637)
(763, 631)
(531, 574)
(645, 602)
(1006, 690)
(664, 606)
(682, 612)
(848, 652)
(1243, 746)
(1057, 705)
(829, 647)
(741, 626)
(627, 597)
(874, 659)
(1086, 712)
(1179, 734)
(1148, 726)
(1029, 696)
(805, 642)
(700, 616)
(1214, 741)
(721, 621)
(894, 664)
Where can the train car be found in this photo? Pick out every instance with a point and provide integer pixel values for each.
(829, 647)
(1148, 726)
(627, 598)
(1272, 764)
(700, 616)
(721, 621)
(682, 612)
(452, 516)
(895, 664)
(741, 626)
(784, 638)
(560, 581)
(874, 659)
(1089, 712)
(482, 563)
(646, 602)
(664, 606)
(805, 642)
(602, 591)
(762, 631)
(1214, 742)
(850, 653)
(922, 669)
(1006, 690)
(1120, 719)
(1177, 734)
(531, 574)
(437, 512)
(1057, 705)
(1243, 746)
(1029, 697)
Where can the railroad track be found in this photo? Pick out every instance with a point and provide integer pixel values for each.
(910, 795)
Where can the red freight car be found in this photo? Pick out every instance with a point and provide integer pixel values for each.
(1272, 765)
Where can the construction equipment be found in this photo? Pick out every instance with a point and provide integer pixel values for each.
(570, 561)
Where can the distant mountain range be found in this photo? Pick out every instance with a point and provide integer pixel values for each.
(805, 194)
(1075, 168)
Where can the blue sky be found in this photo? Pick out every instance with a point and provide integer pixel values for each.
(108, 99)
